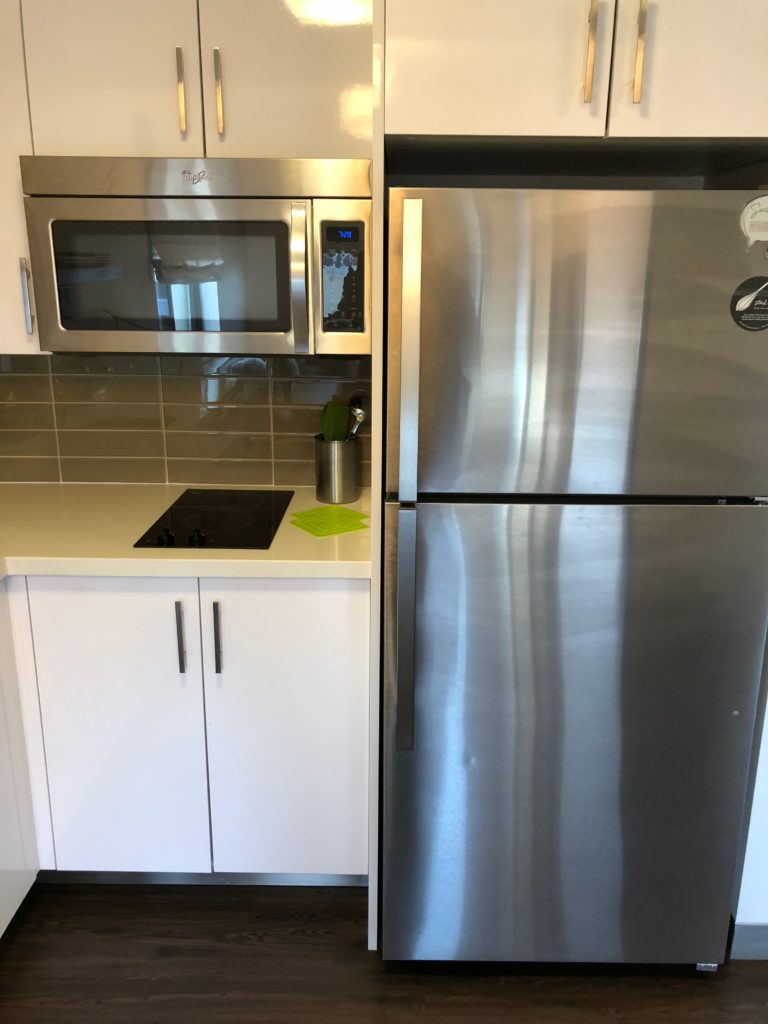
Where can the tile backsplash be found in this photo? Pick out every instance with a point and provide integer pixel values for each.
(180, 419)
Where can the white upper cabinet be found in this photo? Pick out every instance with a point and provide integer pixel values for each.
(286, 697)
(287, 78)
(481, 67)
(104, 77)
(17, 327)
(123, 722)
(702, 71)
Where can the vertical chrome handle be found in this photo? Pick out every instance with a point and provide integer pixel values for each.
(24, 274)
(589, 72)
(298, 277)
(406, 628)
(642, 26)
(180, 639)
(181, 95)
(219, 90)
(410, 348)
(217, 637)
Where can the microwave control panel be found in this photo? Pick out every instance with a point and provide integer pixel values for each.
(343, 284)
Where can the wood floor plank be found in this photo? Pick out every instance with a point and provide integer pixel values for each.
(82, 954)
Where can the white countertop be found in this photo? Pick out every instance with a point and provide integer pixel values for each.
(90, 530)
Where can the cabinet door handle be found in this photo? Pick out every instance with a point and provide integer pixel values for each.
(180, 91)
(180, 639)
(219, 90)
(642, 25)
(217, 637)
(24, 274)
(589, 73)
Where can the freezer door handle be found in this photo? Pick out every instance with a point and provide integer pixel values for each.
(406, 628)
(410, 348)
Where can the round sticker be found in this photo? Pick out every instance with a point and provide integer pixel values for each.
(749, 304)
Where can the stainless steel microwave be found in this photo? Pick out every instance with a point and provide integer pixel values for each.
(224, 256)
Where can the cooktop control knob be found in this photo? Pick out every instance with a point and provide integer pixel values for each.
(166, 539)
(196, 539)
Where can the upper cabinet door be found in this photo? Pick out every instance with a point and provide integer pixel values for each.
(17, 327)
(683, 68)
(481, 67)
(287, 78)
(114, 79)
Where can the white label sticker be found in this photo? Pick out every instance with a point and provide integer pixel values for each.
(754, 220)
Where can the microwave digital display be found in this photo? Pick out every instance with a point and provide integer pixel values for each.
(343, 283)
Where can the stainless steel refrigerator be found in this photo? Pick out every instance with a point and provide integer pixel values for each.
(576, 571)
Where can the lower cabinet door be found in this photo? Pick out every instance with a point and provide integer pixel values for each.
(286, 688)
(121, 702)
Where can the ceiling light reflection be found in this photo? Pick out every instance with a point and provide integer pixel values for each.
(356, 111)
(331, 12)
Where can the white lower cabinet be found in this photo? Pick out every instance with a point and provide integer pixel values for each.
(123, 727)
(18, 856)
(286, 693)
(283, 709)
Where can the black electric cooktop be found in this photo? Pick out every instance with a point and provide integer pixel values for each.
(219, 519)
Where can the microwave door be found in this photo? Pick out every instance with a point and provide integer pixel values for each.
(171, 275)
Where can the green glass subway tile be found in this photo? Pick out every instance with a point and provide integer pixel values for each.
(104, 363)
(294, 447)
(198, 445)
(296, 473)
(106, 416)
(29, 470)
(27, 442)
(21, 415)
(296, 421)
(354, 368)
(204, 366)
(315, 392)
(199, 471)
(113, 471)
(24, 364)
(217, 418)
(216, 390)
(99, 388)
(17, 388)
(114, 443)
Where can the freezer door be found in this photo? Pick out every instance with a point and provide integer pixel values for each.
(577, 342)
(570, 698)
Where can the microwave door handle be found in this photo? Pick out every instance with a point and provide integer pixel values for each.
(298, 278)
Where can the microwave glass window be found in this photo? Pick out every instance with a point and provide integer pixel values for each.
(343, 277)
(172, 275)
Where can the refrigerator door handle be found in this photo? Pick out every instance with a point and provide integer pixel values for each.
(406, 628)
(410, 348)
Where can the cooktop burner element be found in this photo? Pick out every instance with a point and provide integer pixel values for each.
(219, 519)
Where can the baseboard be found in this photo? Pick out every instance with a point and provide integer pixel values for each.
(212, 878)
(750, 942)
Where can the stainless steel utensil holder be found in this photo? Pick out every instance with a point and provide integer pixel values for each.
(337, 470)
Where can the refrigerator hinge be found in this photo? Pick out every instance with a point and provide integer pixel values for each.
(761, 501)
(707, 967)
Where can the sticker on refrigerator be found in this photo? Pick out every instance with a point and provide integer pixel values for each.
(754, 220)
(749, 304)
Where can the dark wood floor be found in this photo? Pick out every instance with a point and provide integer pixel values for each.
(166, 954)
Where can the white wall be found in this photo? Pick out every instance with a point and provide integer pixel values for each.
(753, 901)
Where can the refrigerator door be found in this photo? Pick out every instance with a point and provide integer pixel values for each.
(577, 342)
(570, 702)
